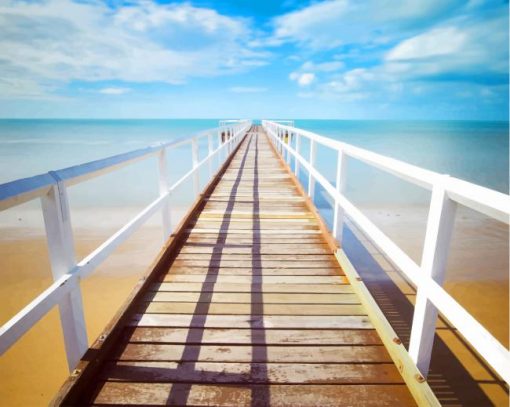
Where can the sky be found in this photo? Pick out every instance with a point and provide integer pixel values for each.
(333, 59)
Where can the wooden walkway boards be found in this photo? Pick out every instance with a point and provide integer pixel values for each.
(250, 307)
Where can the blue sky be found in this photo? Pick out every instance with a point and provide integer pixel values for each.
(339, 59)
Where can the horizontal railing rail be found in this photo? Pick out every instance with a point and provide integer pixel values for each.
(429, 275)
(51, 188)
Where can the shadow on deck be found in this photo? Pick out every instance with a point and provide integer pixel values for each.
(448, 378)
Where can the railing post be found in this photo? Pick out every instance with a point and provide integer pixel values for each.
(59, 234)
(210, 150)
(338, 216)
(221, 135)
(196, 174)
(164, 185)
(311, 180)
(298, 153)
(286, 140)
(438, 234)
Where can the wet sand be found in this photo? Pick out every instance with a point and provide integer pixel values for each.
(34, 369)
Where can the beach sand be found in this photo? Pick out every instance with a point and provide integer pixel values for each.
(478, 264)
(34, 368)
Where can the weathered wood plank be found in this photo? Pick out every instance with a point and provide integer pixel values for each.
(262, 215)
(248, 271)
(260, 226)
(253, 255)
(246, 288)
(243, 395)
(248, 298)
(256, 232)
(200, 278)
(247, 321)
(210, 372)
(256, 354)
(288, 264)
(236, 336)
(248, 309)
(245, 239)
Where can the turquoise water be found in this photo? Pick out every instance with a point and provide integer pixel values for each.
(474, 151)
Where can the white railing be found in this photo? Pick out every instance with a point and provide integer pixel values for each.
(51, 188)
(428, 276)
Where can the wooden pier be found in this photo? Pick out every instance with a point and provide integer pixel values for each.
(251, 301)
(247, 304)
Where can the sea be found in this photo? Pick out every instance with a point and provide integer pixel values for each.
(474, 151)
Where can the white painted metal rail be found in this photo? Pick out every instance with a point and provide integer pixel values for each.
(428, 276)
(51, 188)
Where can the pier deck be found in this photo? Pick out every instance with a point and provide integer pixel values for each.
(246, 305)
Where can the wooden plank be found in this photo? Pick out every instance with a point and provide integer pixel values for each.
(305, 260)
(260, 226)
(242, 395)
(246, 288)
(234, 336)
(269, 199)
(247, 321)
(255, 354)
(249, 271)
(263, 222)
(265, 214)
(239, 240)
(292, 373)
(294, 280)
(258, 232)
(203, 248)
(247, 298)
(222, 262)
(247, 309)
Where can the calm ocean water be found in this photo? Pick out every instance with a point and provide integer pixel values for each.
(474, 151)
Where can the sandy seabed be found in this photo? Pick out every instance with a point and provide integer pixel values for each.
(34, 368)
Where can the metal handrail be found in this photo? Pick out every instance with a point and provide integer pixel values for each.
(429, 275)
(51, 188)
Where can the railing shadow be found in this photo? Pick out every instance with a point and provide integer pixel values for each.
(179, 393)
(185, 374)
(448, 378)
(260, 394)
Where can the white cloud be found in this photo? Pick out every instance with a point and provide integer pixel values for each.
(247, 89)
(461, 50)
(329, 66)
(303, 79)
(57, 41)
(114, 91)
(331, 23)
(476, 48)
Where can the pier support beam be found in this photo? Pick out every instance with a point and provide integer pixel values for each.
(434, 260)
(57, 221)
